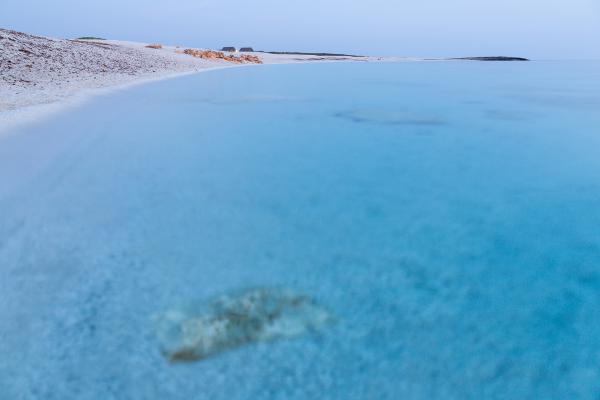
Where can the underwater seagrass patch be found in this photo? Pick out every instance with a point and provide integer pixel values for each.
(384, 117)
(238, 319)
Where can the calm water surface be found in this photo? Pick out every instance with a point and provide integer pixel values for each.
(448, 214)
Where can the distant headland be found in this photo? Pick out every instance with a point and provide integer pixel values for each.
(494, 58)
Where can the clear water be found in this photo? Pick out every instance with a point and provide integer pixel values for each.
(447, 213)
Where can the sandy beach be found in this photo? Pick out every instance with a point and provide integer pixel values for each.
(41, 75)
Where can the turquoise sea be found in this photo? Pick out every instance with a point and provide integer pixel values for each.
(447, 214)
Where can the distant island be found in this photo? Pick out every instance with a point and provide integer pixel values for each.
(495, 58)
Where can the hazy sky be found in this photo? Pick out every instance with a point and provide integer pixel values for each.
(530, 28)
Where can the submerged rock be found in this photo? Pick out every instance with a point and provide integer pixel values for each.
(246, 317)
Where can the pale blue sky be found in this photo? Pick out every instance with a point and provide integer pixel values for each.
(530, 28)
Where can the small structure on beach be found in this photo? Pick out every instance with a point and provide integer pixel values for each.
(247, 50)
(229, 49)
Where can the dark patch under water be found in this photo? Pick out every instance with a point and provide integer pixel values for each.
(389, 118)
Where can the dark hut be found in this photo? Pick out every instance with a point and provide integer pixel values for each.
(229, 49)
(247, 50)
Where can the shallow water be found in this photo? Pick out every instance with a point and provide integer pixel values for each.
(448, 214)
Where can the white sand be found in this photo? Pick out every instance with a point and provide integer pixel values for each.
(40, 75)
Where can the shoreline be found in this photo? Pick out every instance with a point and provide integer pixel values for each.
(41, 76)
(13, 120)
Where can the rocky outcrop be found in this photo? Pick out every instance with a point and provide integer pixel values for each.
(218, 55)
(154, 46)
(231, 321)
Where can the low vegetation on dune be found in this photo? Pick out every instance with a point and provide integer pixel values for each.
(90, 38)
(218, 55)
(154, 46)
